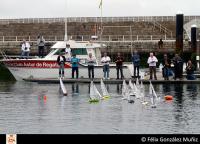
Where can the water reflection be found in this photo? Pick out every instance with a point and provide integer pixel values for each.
(193, 92)
(167, 89)
(119, 88)
(75, 89)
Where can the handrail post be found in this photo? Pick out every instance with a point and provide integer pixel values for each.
(3, 38)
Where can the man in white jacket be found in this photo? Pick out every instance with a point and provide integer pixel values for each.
(105, 60)
(25, 49)
(152, 60)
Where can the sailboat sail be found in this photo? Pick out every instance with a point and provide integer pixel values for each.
(97, 92)
(104, 90)
(124, 90)
(142, 90)
(132, 91)
(137, 82)
(154, 96)
(137, 93)
(93, 93)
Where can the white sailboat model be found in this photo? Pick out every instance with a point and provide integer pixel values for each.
(154, 98)
(126, 93)
(94, 93)
(104, 90)
(137, 92)
(64, 90)
(142, 94)
(132, 89)
(124, 90)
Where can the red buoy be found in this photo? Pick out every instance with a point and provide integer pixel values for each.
(168, 97)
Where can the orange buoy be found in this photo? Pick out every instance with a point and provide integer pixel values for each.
(168, 97)
(45, 97)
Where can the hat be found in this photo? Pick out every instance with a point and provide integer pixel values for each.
(67, 45)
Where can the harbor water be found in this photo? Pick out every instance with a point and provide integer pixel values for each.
(30, 108)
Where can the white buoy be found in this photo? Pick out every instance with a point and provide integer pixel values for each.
(63, 87)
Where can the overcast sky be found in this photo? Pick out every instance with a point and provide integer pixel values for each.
(90, 8)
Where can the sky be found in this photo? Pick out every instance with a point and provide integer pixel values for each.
(90, 8)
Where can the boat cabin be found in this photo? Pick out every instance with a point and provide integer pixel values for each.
(80, 49)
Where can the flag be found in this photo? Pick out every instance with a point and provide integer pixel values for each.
(100, 5)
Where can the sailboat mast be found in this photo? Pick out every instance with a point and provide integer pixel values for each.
(65, 38)
(65, 20)
(100, 6)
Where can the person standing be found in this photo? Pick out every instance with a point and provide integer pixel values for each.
(68, 51)
(136, 63)
(61, 62)
(178, 67)
(166, 67)
(74, 62)
(119, 65)
(190, 71)
(160, 44)
(25, 48)
(91, 62)
(152, 60)
(41, 44)
(105, 60)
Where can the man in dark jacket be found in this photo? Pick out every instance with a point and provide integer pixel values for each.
(61, 62)
(166, 62)
(178, 67)
(136, 63)
(119, 65)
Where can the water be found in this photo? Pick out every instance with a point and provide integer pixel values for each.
(24, 109)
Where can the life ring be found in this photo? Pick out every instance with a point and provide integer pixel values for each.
(168, 97)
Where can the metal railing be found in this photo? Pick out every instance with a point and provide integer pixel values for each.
(95, 19)
(109, 38)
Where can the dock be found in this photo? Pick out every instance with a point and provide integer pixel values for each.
(110, 81)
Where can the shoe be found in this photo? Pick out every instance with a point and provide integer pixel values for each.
(108, 78)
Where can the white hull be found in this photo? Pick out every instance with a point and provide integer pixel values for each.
(24, 73)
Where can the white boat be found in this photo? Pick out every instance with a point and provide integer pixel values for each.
(47, 67)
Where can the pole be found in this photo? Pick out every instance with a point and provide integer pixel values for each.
(101, 5)
(65, 37)
(131, 38)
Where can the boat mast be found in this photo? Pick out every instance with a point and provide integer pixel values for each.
(131, 39)
(65, 20)
(100, 6)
